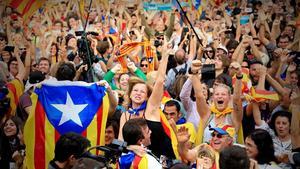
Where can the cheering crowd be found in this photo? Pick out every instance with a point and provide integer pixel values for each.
(221, 93)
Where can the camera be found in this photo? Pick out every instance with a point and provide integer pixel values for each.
(84, 50)
(157, 43)
(9, 48)
(112, 152)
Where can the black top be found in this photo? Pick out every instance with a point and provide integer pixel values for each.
(160, 142)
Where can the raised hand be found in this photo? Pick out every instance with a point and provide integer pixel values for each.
(182, 135)
(116, 68)
(295, 96)
(131, 66)
(196, 66)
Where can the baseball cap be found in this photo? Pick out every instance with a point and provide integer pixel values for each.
(224, 130)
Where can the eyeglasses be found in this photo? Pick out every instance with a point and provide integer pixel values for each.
(144, 65)
(216, 134)
(209, 51)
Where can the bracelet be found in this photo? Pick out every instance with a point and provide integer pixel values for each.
(239, 77)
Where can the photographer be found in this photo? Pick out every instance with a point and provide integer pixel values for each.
(136, 132)
(68, 150)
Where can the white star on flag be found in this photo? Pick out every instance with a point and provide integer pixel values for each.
(70, 111)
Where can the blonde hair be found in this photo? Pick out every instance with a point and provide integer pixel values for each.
(131, 83)
(207, 151)
(224, 86)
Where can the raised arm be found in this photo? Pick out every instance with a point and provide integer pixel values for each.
(276, 85)
(183, 137)
(21, 68)
(260, 86)
(185, 94)
(295, 126)
(262, 36)
(238, 54)
(170, 29)
(152, 112)
(257, 53)
(237, 114)
(256, 114)
(202, 106)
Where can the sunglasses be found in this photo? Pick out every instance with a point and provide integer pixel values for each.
(209, 51)
(144, 65)
(216, 134)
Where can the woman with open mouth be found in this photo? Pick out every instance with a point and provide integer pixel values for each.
(220, 111)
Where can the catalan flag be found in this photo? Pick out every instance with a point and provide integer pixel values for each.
(261, 95)
(60, 107)
(246, 82)
(26, 7)
(199, 6)
(170, 133)
(15, 90)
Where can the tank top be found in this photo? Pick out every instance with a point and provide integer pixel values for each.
(160, 142)
(211, 123)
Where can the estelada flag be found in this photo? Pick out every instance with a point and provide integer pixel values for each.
(59, 107)
(26, 7)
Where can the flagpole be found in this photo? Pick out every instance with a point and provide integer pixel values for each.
(90, 69)
(184, 13)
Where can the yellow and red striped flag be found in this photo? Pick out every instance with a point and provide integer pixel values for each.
(59, 108)
(246, 82)
(261, 95)
(15, 90)
(170, 133)
(150, 55)
(26, 7)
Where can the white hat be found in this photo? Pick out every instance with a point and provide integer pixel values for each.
(223, 48)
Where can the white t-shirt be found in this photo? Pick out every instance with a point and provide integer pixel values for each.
(152, 162)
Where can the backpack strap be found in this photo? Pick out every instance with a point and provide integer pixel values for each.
(175, 70)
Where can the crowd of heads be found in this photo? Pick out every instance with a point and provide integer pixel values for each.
(198, 73)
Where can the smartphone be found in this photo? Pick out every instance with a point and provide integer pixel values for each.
(208, 71)
(9, 48)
